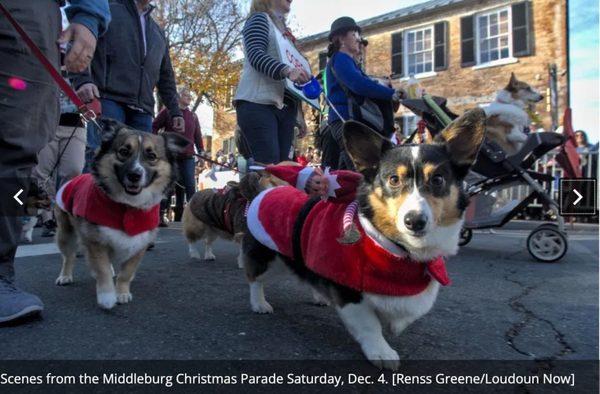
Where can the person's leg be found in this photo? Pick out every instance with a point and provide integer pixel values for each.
(138, 120)
(345, 163)
(71, 143)
(110, 109)
(28, 120)
(187, 175)
(331, 150)
(285, 130)
(258, 126)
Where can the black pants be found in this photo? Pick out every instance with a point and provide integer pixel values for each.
(29, 111)
(332, 145)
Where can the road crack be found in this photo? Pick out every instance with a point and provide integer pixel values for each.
(529, 316)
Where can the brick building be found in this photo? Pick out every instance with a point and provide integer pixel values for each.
(463, 50)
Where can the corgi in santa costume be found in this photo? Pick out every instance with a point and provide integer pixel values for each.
(373, 244)
(114, 211)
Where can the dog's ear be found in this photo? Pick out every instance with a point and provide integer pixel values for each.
(365, 147)
(463, 139)
(512, 83)
(175, 143)
(110, 129)
(250, 185)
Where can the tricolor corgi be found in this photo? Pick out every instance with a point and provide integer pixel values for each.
(405, 207)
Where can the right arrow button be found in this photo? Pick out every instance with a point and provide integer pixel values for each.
(579, 197)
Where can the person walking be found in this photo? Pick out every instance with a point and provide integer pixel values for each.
(186, 162)
(266, 112)
(29, 112)
(63, 158)
(131, 60)
(345, 77)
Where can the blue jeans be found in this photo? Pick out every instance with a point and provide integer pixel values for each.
(187, 178)
(268, 131)
(117, 111)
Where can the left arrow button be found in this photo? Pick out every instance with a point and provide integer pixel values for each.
(16, 197)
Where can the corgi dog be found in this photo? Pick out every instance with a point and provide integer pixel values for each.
(405, 205)
(114, 211)
(507, 116)
(213, 214)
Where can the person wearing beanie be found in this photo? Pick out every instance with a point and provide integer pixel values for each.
(344, 74)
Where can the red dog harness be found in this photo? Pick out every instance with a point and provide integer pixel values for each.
(82, 197)
(366, 265)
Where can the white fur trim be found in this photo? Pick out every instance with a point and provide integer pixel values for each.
(379, 238)
(59, 199)
(303, 177)
(255, 226)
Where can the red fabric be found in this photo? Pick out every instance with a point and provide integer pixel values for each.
(568, 158)
(348, 180)
(363, 266)
(302, 160)
(192, 131)
(83, 198)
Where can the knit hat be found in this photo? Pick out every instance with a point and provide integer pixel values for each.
(343, 25)
(296, 176)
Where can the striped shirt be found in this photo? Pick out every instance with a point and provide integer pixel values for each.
(256, 42)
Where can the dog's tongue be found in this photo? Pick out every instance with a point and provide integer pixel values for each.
(437, 269)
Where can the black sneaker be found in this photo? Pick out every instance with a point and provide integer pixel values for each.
(49, 229)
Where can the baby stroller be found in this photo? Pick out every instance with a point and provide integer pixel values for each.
(500, 186)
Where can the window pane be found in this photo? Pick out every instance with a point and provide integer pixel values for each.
(504, 41)
(427, 67)
(411, 60)
(427, 43)
(493, 19)
(494, 55)
(504, 16)
(412, 69)
(428, 57)
(419, 68)
(419, 58)
(493, 44)
(504, 53)
(419, 46)
(420, 35)
(411, 42)
(493, 30)
(485, 46)
(504, 28)
(485, 57)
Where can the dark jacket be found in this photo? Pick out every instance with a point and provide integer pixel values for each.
(120, 69)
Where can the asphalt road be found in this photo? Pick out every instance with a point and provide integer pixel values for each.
(501, 306)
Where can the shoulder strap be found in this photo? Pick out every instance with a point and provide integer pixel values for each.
(347, 91)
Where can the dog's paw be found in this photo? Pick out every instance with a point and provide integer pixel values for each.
(194, 254)
(262, 307)
(319, 299)
(107, 300)
(124, 298)
(64, 280)
(209, 256)
(383, 357)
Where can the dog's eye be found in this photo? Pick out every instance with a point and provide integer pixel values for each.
(437, 180)
(124, 152)
(151, 155)
(394, 181)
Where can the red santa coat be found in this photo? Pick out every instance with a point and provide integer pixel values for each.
(367, 265)
(82, 197)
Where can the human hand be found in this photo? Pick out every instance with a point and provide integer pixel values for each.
(88, 92)
(82, 51)
(297, 75)
(178, 124)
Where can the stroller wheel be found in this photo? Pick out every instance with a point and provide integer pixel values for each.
(546, 243)
(465, 236)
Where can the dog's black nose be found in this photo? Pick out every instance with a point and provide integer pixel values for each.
(134, 176)
(415, 221)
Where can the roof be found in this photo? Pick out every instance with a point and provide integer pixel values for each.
(390, 16)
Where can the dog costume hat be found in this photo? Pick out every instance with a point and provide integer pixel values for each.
(373, 264)
(82, 197)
